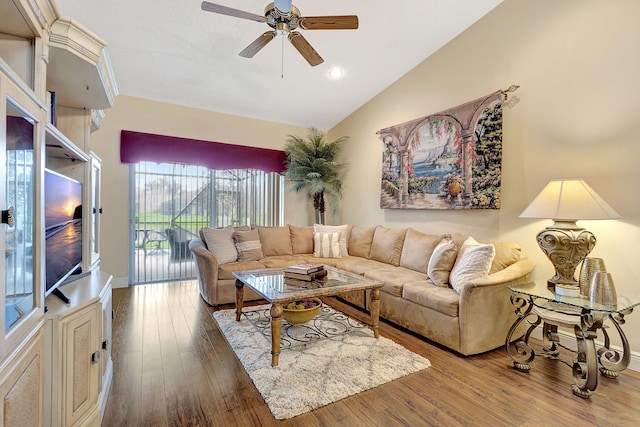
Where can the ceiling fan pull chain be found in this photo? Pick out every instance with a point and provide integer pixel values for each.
(282, 64)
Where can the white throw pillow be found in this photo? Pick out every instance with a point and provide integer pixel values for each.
(474, 261)
(220, 243)
(442, 260)
(342, 229)
(326, 245)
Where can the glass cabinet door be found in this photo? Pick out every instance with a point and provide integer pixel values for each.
(17, 205)
(96, 208)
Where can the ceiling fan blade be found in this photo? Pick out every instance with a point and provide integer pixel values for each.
(305, 49)
(224, 10)
(344, 22)
(282, 5)
(258, 44)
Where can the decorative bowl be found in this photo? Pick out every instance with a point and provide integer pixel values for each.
(297, 316)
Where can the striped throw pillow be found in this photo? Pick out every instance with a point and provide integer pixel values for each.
(326, 245)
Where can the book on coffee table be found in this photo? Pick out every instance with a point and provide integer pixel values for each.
(306, 277)
(304, 268)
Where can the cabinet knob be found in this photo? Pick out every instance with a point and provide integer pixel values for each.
(105, 344)
(95, 357)
(8, 216)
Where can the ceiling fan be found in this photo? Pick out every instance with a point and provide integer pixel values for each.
(284, 18)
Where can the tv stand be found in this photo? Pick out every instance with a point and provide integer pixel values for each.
(57, 292)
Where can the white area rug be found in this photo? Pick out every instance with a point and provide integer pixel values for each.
(318, 373)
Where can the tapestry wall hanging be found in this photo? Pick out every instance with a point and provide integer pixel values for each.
(448, 160)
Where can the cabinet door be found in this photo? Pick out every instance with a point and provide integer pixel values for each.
(107, 319)
(96, 208)
(19, 130)
(81, 359)
(21, 386)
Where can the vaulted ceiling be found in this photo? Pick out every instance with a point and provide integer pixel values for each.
(172, 51)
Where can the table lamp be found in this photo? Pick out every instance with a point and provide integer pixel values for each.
(564, 242)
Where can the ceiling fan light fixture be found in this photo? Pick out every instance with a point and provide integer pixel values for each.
(282, 28)
(336, 73)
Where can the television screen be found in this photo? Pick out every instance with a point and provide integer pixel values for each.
(63, 227)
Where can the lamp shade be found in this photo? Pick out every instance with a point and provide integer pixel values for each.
(569, 200)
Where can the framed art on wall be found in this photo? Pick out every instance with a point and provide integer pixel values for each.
(447, 160)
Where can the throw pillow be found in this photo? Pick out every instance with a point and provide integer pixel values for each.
(506, 254)
(342, 229)
(474, 261)
(326, 245)
(248, 245)
(442, 261)
(220, 243)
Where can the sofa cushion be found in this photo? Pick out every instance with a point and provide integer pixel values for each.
(220, 243)
(426, 294)
(326, 245)
(281, 261)
(473, 261)
(442, 261)
(275, 240)
(342, 229)
(331, 262)
(248, 245)
(417, 250)
(394, 278)
(360, 240)
(359, 265)
(387, 245)
(225, 270)
(301, 239)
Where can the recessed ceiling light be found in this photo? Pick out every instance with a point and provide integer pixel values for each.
(336, 73)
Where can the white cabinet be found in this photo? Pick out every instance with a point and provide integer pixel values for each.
(55, 367)
(79, 340)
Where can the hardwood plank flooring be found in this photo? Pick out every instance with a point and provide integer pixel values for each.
(173, 367)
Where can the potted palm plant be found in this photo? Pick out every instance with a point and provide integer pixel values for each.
(311, 167)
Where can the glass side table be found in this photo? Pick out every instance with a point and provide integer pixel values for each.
(535, 303)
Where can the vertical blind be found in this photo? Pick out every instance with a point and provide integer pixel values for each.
(172, 202)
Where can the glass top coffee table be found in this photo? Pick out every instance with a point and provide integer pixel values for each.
(535, 303)
(278, 291)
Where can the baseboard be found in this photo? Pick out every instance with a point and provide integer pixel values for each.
(119, 282)
(568, 340)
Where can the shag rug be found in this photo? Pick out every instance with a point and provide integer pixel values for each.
(319, 372)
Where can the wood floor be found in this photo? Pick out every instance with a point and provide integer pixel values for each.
(173, 367)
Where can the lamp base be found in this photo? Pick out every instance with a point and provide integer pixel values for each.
(566, 245)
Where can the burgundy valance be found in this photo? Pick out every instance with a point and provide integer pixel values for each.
(146, 147)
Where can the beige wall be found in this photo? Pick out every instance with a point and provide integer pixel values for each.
(575, 115)
(153, 117)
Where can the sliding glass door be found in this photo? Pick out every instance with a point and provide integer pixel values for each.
(170, 203)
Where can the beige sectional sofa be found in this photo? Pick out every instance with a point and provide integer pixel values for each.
(472, 316)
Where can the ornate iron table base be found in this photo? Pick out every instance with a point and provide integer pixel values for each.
(585, 323)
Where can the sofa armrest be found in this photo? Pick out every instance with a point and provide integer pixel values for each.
(517, 272)
(206, 270)
(485, 312)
